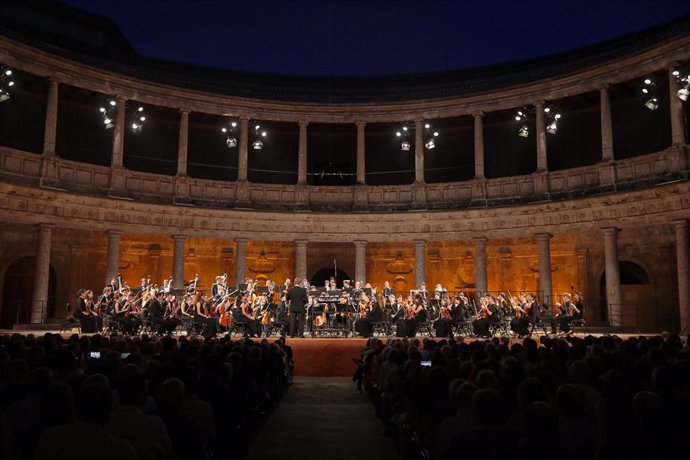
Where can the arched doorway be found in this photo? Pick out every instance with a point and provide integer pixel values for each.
(17, 292)
(325, 273)
(637, 297)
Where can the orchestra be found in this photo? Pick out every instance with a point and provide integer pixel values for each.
(259, 309)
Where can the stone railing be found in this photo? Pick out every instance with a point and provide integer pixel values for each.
(53, 172)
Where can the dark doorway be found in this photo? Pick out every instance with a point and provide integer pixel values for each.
(18, 292)
(325, 273)
(637, 298)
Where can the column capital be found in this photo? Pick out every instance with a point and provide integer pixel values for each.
(241, 240)
(360, 123)
(539, 103)
(360, 243)
(478, 113)
(680, 223)
(418, 243)
(112, 233)
(303, 123)
(604, 87)
(543, 236)
(120, 98)
(179, 237)
(418, 121)
(610, 231)
(53, 80)
(44, 226)
(183, 111)
(480, 240)
(300, 242)
(244, 117)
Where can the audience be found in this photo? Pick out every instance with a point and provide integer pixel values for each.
(136, 397)
(568, 398)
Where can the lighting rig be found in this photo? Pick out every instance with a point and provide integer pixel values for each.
(6, 82)
(136, 118)
(404, 135)
(551, 120)
(230, 133)
(682, 75)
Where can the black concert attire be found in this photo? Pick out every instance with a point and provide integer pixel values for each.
(408, 327)
(520, 323)
(88, 323)
(566, 317)
(210, 325)
(481, 326)
(281, 319)
(126, 319)
(443, 327)
(296, 299)
(253, 327)
(157, 317)
(388, 291)
(364, 326)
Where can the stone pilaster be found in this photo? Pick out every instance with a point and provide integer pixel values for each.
(478, 145)
(545, 284)
(240, 260)
(683, 264)
(542, 164)
(301, 259)
(480, 265)
(242, 163)
(606, 126)
(361, 153)
(51, 119)
(419, 262)
(361, 261)
(302, 153)
(613, 276)
(119, 132)
(676, 107)
(178, 261)
(182, 144)
(112, 265)
(39, 304)
(419, 151)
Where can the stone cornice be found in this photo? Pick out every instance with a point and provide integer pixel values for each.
(39, 62)
(660, 205)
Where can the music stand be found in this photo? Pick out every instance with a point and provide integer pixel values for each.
(262, 290)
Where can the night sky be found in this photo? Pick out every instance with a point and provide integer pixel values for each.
(355, 38)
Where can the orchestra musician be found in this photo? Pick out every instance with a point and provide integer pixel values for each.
(488, 314)
(567, 312)
(519, 324)
(374, 313)
(202, 316)
(84, 313)
(387, 289)
(415, 313)
(444, 323)
(296, 300)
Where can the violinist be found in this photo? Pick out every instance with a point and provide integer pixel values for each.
(170, 308)
(567, 312)
(415, 313)
(444, 324)
(487, 315)
(202, 316)
(374, 313)
(245, 315)
(84, 313)
(519, 324)
(123, 307)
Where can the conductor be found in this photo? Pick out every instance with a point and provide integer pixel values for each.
(296, 300)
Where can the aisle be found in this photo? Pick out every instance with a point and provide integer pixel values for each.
(322, 418)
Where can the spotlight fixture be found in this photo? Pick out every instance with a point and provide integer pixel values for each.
(652, 104)
(404, 134)
(135, 118)
(108, 113)
(229, 131)
(6, 82)
(523, 131)
(683, 93)
(551, 119)
(258, 134)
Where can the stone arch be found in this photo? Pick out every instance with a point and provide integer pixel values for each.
(325, 273)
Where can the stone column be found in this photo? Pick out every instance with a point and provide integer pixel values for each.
(683, 263)
(419, 262)
(240, 260)
(542, 164)
(178, 261)
(481, 284)
(39, 304)
(300, 259)
(361, 152)
(119, 132)
(244, 140)
(302, 152)
(613, 276)
(606, 126)
(183, 143)
(361, 261)
(51, 119)
(112, 265)
(545, 285)
(419, 151)
(478, 144)
(676, 107)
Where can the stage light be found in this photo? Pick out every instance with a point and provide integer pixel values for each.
(652, 104)
(223, 130)
(6, 81)
(142, 118)
(140, 109)
(231, 142)
(405, 146)
(427, 126)
(263, 134)
(524, 131)
(257, 145)
(675, 72)
(430, 145)
(435, 133)
(102, 109)
(404, 128)
(4, 95)
(113, 103)
(10, 83)
(552, 128)
(647, 81)
(398, 133)
(547, 109)
(233, 124)
(8, 72)
(683, 94)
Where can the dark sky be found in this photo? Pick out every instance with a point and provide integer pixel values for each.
(371, 37)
